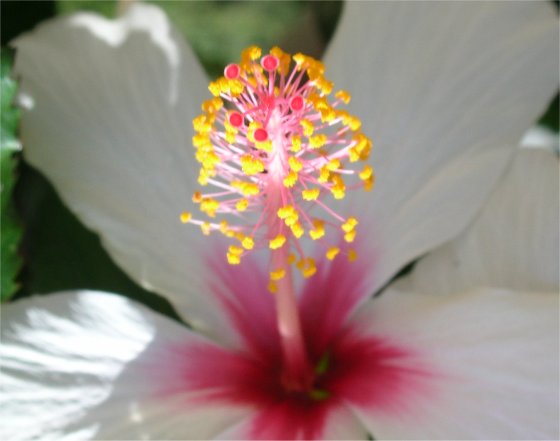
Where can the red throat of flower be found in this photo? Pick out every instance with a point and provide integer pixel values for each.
(276, 149)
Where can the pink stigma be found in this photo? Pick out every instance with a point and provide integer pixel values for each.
(231, 72)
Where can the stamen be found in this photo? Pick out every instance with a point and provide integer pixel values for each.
(277, 148)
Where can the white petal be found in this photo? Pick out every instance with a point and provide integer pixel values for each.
(444, 90)
(494, 358)
(108, 121)
(540, 137)
(89, 365)
(514, 242)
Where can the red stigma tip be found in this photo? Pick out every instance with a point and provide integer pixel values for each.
(231, 72)
(261, 135)
(296, 103)
(269, 63)
(235, 119)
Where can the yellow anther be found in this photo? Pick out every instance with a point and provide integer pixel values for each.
(311, 194)
(350, 236)
(349, 225)
(233, 87)
(352, 255)
(366, 173)
(286, 211)
(212, 105)
(295, 164)
(368, 183)
(324, 175)
(251, 165)
(343, 96)
(290, 179)
(327, 115)
(186, 217)
(277, 242)
(297, 229)
(296, 143)
(202, 124)
(215, 88)
(279, 274)
(248, 243)
(338, 190)
(318, 231)
(241, 205)
(246, 188)
(291, 258)
(323, 84)
(307, 126)
(318, 141)
(209, 206)
(252, 53)
(307, 267)
(354, 123)
(291, 220)
(202, 140)
(332, 252)
(272, 287)
(206, 228)
(333, 164)
(353, 154)
(235, 250)
(283, 58)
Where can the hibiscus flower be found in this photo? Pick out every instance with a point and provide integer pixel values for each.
(445, 91)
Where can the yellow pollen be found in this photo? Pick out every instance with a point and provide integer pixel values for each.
(332, 252)
(248, 243)
(352, 255)
(296, 143)
(290, 179)
(366, 173)
(277, 242)
(349, 237)
(251, 165)
(241, 205)
(286, 211)
(333, 165)
(307, 267)
(343, 96)
(318, 141)
(186, 217)
(295, 164)
(307, 126)
(318, 231)
(349, 225)
(291, 258)
(278, 274)
(324, 175)
(311, 194)
(272, 287)
(297, 230)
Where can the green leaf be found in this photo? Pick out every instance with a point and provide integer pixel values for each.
(10, 228)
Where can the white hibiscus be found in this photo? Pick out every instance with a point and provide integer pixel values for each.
(446, 91)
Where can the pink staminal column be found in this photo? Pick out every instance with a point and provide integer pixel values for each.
(277, 151)
(297, 372)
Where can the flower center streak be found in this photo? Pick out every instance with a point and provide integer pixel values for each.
(276, 151)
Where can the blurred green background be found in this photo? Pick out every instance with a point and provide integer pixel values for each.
(43, 245)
